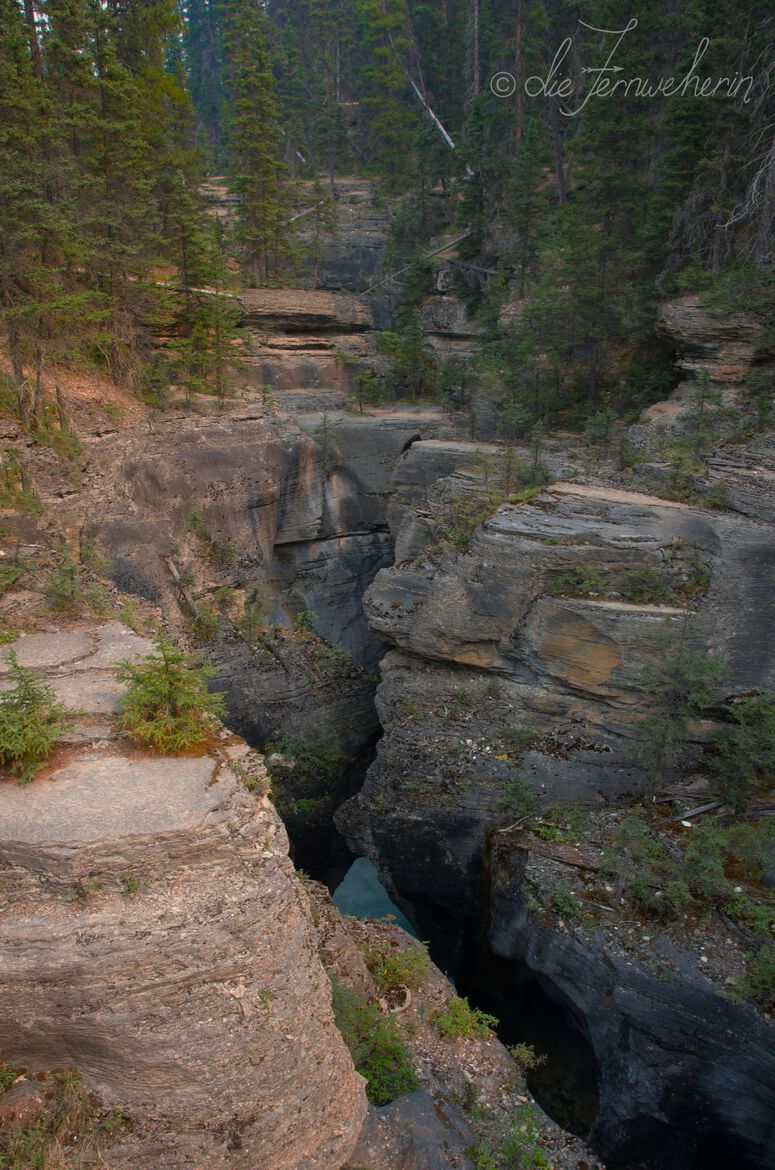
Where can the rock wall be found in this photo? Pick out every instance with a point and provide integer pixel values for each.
(725, 345)
(523, 655)
(154, 938)
(494, 640)
(300, 514)
(687, 1075)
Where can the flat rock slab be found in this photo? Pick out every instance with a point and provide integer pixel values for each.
(108, 798)
(115, 642)
(98, 649)
(615, 495)
(80, 666)
(92, 694)
(46, 651)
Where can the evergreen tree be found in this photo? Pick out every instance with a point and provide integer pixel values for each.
(384, 87)
(24, 179)
(262, 232)
(203, 43)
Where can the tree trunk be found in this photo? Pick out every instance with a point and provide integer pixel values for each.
(475, 64)
(29, 17)
(519, 69)
(763, 241)
(64, 421)
(559, 163)
(18, 375)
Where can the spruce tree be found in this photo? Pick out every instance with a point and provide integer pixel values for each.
(259, 177)
(203, 43)
(23, 182)
(384, 89)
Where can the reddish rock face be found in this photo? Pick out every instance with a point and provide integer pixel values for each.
(153, 937)
(297, 309)
(724, 345)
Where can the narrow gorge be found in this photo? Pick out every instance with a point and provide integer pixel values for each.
(448, 630)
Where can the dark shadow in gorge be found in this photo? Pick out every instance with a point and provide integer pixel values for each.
(565, 1084)
(315, 844)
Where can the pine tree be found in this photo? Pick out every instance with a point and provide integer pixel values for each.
(24, 179)
(384, 88)
(203, 43)
(167, 704)
(262, 232)
(122, 216)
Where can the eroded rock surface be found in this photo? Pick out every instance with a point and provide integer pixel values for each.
(530, 629)
(155, 938)
(302, 310)
(248, 502)
(525, 654)
(725, 345)
(687, 1075)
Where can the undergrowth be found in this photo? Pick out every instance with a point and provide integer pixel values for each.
(392, 966)
(167, 705)
(376, 1045)
(31, 721)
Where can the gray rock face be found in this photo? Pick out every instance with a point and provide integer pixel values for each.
(506, 637)
(298, 520)
(445, 316)
(296, 310)
(493, 640)
(353, 257)
(685, 1075)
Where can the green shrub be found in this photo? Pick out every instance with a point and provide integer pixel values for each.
(669, 882)
(10, 572)
(516, 799)
(25, 1147)
(15, 490)
(31, 720)
(376, 1046)
(645, 585)
(516, 740)
(759, 982)
(71, 585)
(68, 1121)
(482, 1155)
(8, 1075)
(522, 1147)
(759, 917)
(130, 883)
(683, 684)
(525, 1056)
(206, 625)
(564, 902)
(459, 517)
(650, 874)
(460, 1019)
(744, 752)
(392, 966)
(564, 822)
(168, 705)
(579, 581)
(716, 496)
(255, 615)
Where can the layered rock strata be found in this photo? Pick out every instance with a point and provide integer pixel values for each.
(155, 939)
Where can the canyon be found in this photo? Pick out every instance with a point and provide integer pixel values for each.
(337, 524)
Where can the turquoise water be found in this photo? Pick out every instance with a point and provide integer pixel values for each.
(361, 894)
